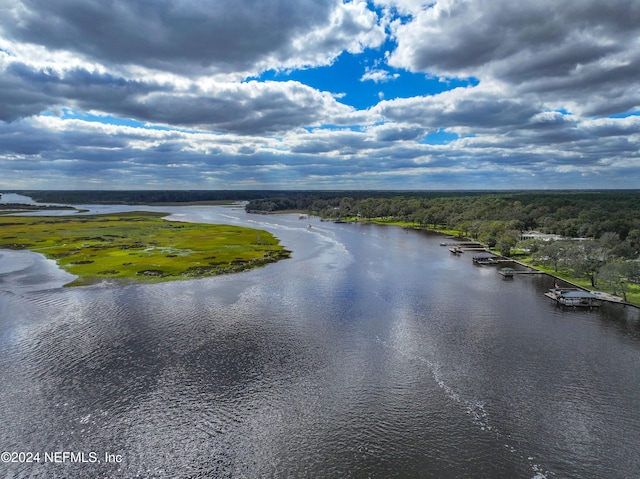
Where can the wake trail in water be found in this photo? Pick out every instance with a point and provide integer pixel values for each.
(474, 409)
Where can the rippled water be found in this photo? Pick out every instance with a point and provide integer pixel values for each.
(372, 352)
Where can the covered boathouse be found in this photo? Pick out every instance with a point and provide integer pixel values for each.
(573, 297)
(485, 258)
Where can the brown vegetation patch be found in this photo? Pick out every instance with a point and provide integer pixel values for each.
(151, 272)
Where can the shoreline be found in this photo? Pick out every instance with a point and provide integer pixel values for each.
(139, 247)
(452, 234)
(609, 298)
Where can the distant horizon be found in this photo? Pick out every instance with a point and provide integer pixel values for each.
(364, 190)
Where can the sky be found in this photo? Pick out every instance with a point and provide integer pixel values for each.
(319, 94)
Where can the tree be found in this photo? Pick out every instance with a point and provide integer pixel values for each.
(586, 258)
(504, 247)
(633, 238)
(530, 245)
(616, 275)
(507, 241)
(609, 240)
(553, 251)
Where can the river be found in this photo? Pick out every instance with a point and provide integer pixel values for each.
(371, 353)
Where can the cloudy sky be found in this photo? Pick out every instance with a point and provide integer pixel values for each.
(319, 94)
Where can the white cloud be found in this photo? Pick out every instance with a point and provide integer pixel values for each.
(378, 75)
(480, 108)
(583, 53)
(236, 38)
(247, 108)
(352, 27)
(75, 153)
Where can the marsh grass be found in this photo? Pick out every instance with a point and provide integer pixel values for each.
(139, 246)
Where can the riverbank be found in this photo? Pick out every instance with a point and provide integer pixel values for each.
(13, 208)
(139, 246)
(605, 293)
(632, 295)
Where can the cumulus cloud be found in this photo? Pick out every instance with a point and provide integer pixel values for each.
(25, 90)
(245, 108)
(73, 153)
(378, 75)
(178, 63)
(472, 108)
(393, 132)
(238, 37)
(242, 108)
(576, 53)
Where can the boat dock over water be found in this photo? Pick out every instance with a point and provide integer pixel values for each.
(507, 272)
(486, 258)
(465, 245)
(576, 298)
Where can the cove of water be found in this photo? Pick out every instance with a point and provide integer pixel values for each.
(371, 352)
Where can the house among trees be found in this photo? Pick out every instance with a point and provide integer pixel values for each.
(529, 235)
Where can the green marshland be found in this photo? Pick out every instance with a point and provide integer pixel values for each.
(139, 246)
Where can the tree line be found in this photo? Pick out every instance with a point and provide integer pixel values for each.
(106, 197)
(297, 199)
(486, 216)
(602, 227)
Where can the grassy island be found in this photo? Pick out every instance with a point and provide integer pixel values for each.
(139, 246)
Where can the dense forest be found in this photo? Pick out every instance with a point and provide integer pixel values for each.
(570, 214)
(107, 197)
(297, 199)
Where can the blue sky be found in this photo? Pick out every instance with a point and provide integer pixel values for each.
(319, 94)
(362, 80)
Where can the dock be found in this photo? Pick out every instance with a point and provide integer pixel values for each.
(610, 298)
(522, 271)
(486, 258)
(575, 298)
(581, 297)
(466, 245)
(507, 272)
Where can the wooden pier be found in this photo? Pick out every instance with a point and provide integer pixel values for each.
(466, 245)
(529, 271)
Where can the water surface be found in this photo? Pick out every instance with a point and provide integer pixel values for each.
(372, 352)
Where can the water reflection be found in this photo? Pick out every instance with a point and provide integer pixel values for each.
(372, 352)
